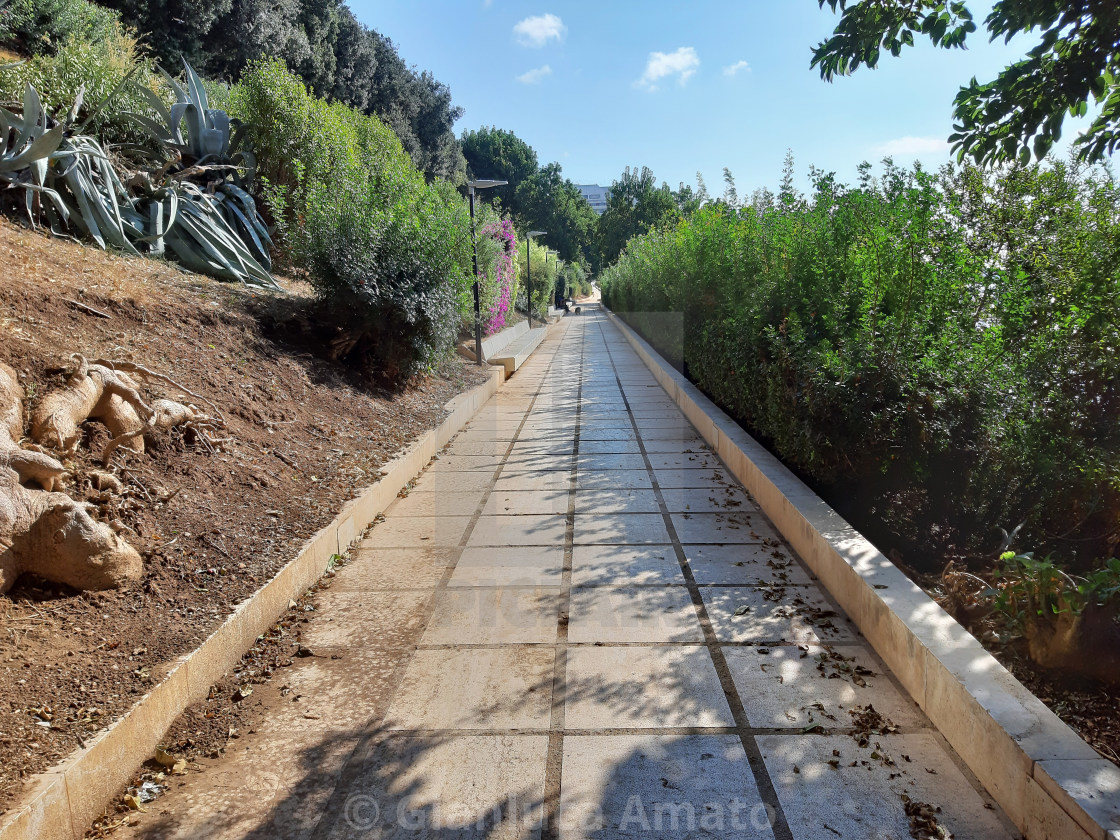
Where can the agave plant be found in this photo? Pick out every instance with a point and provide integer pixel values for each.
(26, 146)
(202, 135)
(209, 148)
(201, 238)
(214, 232)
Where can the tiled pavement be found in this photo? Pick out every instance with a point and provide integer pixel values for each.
(578, 625)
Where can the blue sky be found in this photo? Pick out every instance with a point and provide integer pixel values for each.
(682, 86)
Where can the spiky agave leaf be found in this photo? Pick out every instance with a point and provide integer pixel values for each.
(202, 237)
(219, 234)
(26, 146)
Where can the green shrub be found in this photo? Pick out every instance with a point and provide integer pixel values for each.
(543, 278)
(571, 279)
(386, 272)
(99, 71)
(41, 26)
(937, 352)
(387, 253)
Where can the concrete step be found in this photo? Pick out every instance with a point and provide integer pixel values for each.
(517, 351)
(494, 344)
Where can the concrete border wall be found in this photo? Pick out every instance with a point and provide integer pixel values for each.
(65, 800)
(1050, 782)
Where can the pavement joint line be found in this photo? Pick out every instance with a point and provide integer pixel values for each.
(554, 757)
(373, 726)
(792, 731)
(579, 586)
(674, 644)
(779, 824)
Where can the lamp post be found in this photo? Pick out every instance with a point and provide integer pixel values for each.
(529, 271)
(471, 187)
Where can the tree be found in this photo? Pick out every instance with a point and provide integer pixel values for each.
(548, 201)
(636, 205)
(355, 62)
(174, 28)
(326, 46)
(37, 26)
(1022, 110)
(419, 109)
(501, 155)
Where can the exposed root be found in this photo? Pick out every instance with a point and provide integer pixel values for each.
(47, 532)
(92, 392)
(166, 415)
(131, 367)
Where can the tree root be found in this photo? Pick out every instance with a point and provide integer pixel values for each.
(131, 367)
(92, 392)
(167, 414)
(47, 532)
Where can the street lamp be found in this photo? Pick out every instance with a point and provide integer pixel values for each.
(471, 187)
(529, 271)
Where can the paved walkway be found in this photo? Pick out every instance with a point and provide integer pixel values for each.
(577, 625)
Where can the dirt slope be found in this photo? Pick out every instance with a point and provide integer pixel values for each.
(212, 527)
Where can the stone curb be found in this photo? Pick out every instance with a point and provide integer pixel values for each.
(494, 343)
(63, 801)
(1050, 782)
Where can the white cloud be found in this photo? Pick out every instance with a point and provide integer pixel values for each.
(534, 77)
(732, 69)
(682, 64)
(538, 31)
(912, 147)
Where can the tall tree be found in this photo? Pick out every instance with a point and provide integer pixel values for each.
(250, 29)
(1022, 110)
(548, 201)
(501, 155)
(174, 28)
(355, 62)
(419, 109)
(326, 46)
(636, 205)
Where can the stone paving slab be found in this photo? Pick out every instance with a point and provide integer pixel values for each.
(752, 614)
(630, 614)
(716, 500)
(578, 625)
(643, 687)
(534, 566)
(753, 565)
(505, 687)
(454, 503)
(619, 528)
(493, 616)
(617, 566)
(798, 686)
(395, 568)
(420, 531)
(528, 529)
(659, 786)
(591, 502)
(735, 527)
(866, 800)
(416, 786)
(519, 502)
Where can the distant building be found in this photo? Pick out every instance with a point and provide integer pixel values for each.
(596, 196)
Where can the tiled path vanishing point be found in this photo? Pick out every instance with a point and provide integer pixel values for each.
(577, 625)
